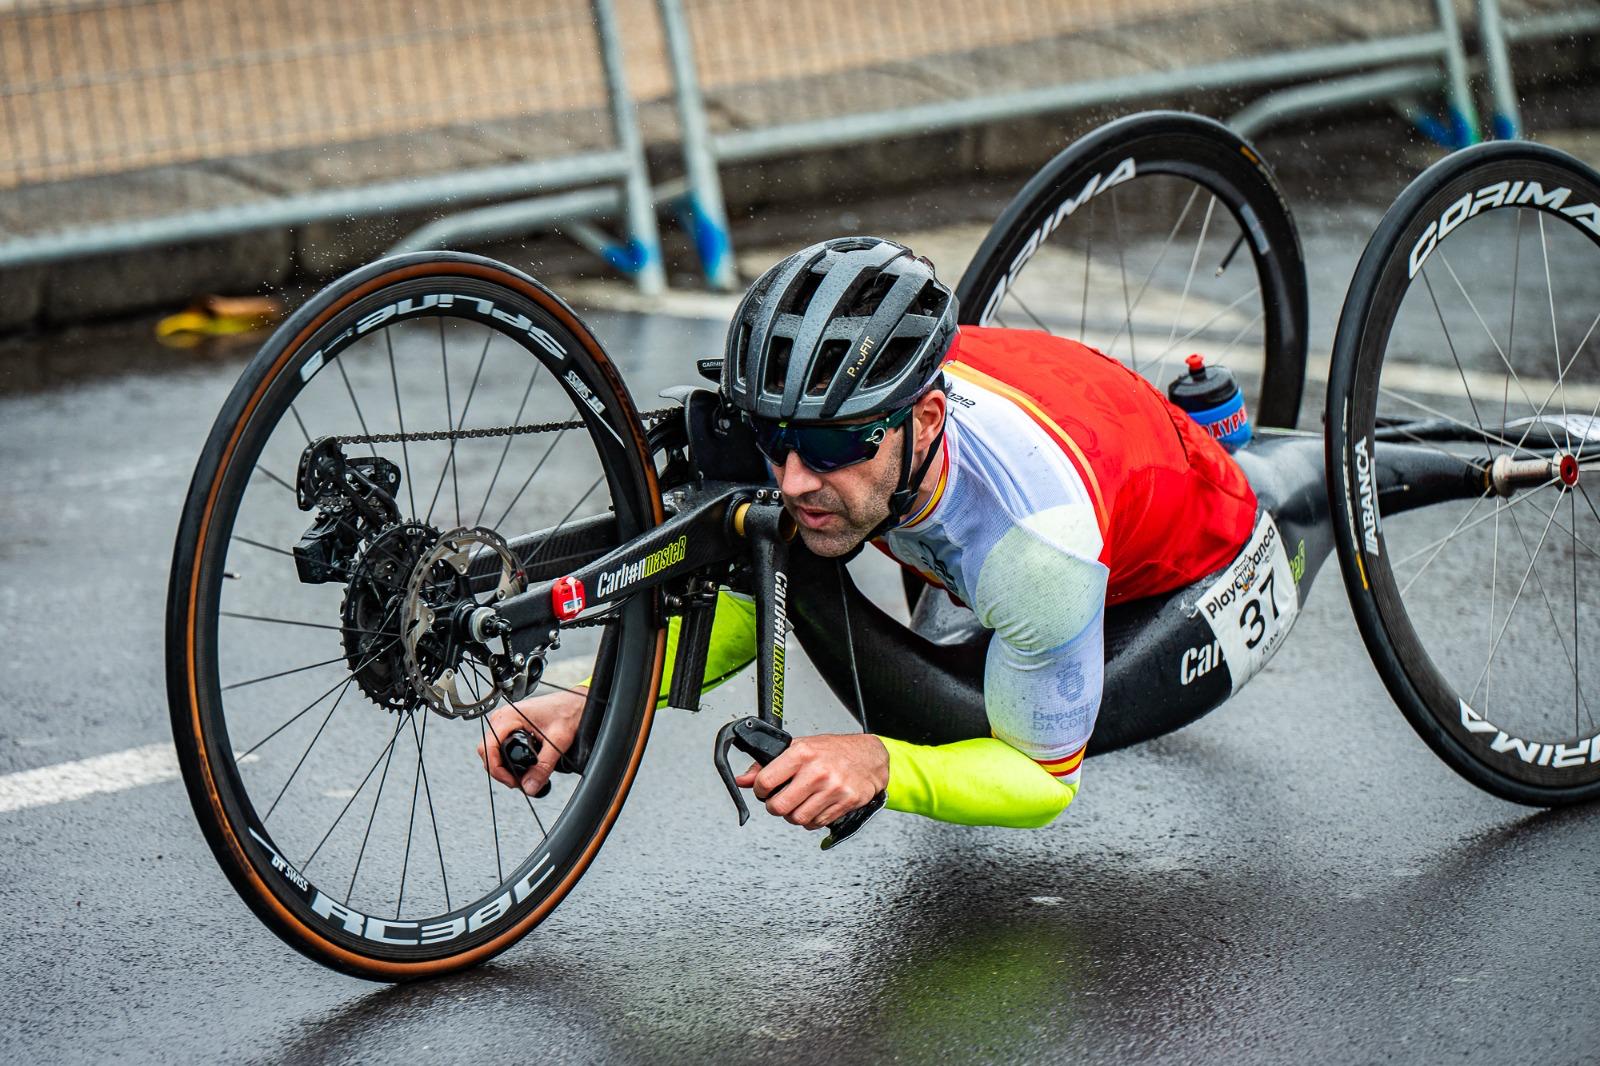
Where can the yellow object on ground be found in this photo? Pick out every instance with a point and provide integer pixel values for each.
(218, 316)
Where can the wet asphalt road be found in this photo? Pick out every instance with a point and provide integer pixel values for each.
(1295, 878)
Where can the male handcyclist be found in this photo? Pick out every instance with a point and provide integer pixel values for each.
(1032, 478)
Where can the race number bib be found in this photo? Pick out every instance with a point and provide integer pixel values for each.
(1251, 606)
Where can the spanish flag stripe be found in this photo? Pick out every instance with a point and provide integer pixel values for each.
(1064, 766)
(938, 490)
(1045, 422)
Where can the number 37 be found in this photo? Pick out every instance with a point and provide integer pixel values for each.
(1251, 617)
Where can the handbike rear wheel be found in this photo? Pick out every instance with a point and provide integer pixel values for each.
(1469, 330)
(291, 707)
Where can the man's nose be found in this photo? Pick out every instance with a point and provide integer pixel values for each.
(796, 478)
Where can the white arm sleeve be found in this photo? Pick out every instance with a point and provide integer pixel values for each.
(1042, 589)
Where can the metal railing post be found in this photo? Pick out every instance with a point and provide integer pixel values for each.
(1463, 113)
(642, 254)
(1505, 122)
(708, 216)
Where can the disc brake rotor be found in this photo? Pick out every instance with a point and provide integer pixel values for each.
(439, 592)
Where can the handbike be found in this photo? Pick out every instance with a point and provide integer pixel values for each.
(354, 571)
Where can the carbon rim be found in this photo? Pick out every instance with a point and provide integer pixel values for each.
(300, 861)
(1474, 317)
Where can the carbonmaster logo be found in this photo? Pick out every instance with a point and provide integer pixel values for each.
(1501, 194)
(780, 627)
(657, 561)
(1091, 188)
(1369, 500)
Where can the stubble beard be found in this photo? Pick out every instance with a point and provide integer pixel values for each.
(857, 520)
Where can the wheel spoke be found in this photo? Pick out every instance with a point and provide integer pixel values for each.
(1122, 269)
(305, 754)
(308, 625)
(1478, 430)
(529, 479)
(372, 815)
(1548, 606)
(1488, 332)
(503, 451)
(283, 673)
(382, 755)
(1515, 599)
(494, 824)
(544, 833)
(399, 414)
(1188, 277)
(1527, 495)
(361, 419)
(1555, 332)
(1202, 327)
(1127, 322)
(1451, 344)
(1444, 540)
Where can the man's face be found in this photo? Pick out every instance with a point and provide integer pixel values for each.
(836, 510)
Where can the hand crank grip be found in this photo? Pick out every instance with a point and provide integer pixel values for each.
(760, 740)
(764, 742)
(520, 750)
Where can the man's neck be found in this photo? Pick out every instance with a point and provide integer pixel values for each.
(930, 477)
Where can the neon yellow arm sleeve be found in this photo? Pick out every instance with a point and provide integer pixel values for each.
(733, 643)
(974, 782)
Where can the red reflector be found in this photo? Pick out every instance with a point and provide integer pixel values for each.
(566, 597)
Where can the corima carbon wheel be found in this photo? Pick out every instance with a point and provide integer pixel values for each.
(409, 444)
(1469, 331)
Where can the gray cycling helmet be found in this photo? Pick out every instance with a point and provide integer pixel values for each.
(849, 327)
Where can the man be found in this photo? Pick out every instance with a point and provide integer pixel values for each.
(1032, 478)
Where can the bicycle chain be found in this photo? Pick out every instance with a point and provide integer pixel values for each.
(649, 418)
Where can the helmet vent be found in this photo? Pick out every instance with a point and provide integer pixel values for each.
(778, 353)
(798, 298)
(892, 360)
(739, 351)
(829, 359)
(930, 301)
(869, 298)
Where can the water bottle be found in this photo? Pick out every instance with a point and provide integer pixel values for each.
(1211, 397)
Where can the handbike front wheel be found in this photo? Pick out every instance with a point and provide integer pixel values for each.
(1153, 237)
(1469, 333)
(330, 757)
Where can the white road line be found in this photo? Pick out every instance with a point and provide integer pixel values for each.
(63, 782)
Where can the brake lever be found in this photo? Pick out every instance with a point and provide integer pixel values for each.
(764, 742)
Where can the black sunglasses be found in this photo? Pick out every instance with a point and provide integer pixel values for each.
(823, 447)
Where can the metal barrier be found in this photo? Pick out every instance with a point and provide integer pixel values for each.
(829, 73)
(306, 111)
(1528, 20)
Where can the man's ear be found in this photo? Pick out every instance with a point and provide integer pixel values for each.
(929, 415)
